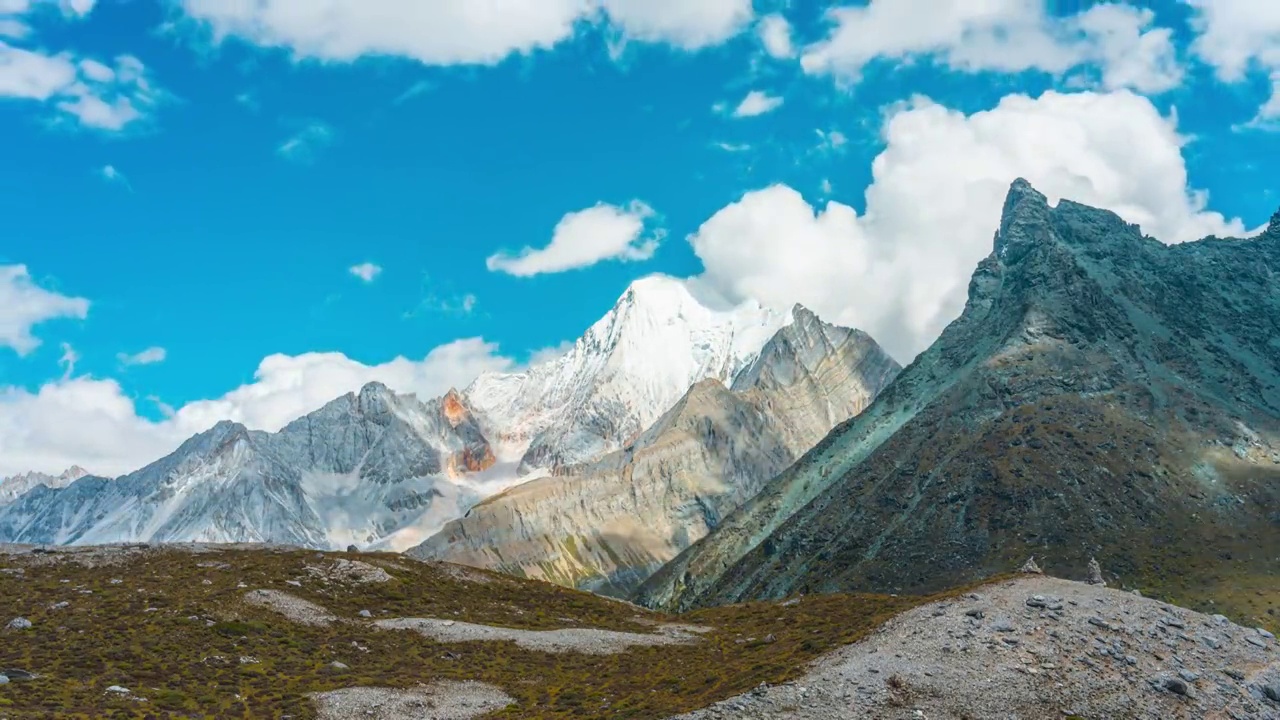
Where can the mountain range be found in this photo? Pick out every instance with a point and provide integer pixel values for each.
(1102, 395)
(379, 469)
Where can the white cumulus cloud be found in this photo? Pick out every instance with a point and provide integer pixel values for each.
(449, 32)
(584, 238)
(901, 270)
(688, 24)
(24, 304)
(1240, 37)
(365, 271)
(96, 424)
(757, 103)
(1117, 41)
(775, 36)
(81, 90)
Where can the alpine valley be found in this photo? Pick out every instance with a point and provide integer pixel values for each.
(838, 534)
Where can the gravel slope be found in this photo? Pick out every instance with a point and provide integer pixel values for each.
(1036, 647)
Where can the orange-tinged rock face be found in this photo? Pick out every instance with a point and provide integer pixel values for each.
(470, 460)
(454, 411)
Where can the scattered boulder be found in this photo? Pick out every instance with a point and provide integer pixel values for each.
(4, 679)
(19, 623)
(1095, 573)
(1030, 566)
(1175, 685)
(365, 614)
(16, 675)
(353, 549)
(1271, 691)
(119, 690)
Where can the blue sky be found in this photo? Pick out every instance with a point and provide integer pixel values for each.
(191, 187)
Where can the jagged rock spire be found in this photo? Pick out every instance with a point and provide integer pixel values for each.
(1095, 573)
(1023, 223)
(1031, 567)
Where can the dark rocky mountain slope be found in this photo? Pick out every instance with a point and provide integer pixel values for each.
(1102, 394)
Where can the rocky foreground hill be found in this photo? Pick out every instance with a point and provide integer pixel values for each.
(607, 525)
(1101, 394)
(185, 631)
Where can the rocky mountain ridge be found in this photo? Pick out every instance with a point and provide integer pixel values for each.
(360, 469)
(608, 524)
(12, 488)
(1101, 394)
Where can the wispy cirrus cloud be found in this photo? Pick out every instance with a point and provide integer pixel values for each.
(306, 145)
(150, 356)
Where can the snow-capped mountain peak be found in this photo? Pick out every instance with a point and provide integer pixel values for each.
(620, 376)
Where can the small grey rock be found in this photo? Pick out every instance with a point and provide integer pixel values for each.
(337, 665)
(1188, 675)
(1177, 686)
(1255, 640)
(1030, 566)
(4, 679)
(353, 549)
(1266, 633)
(1003, 626)
(19, 623)
(365, 614)
(975, 613)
